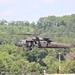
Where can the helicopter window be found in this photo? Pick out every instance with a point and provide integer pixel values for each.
(22, 41)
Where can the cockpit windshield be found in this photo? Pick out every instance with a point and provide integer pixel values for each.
(22, 41)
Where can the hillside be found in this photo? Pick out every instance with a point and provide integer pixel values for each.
(17, 60)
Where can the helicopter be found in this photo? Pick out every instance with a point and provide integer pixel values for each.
(37, 42)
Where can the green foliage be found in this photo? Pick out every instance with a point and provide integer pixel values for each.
(15, 60)
(68, 66)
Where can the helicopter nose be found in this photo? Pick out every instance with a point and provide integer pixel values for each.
(17, 44)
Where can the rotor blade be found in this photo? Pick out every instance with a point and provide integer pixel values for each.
(25, 34)
(28, 34)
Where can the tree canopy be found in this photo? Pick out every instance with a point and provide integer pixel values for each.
(15, 60)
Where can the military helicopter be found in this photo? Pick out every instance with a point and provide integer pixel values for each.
(37, 42)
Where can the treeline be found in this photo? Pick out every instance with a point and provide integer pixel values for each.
(15, 60)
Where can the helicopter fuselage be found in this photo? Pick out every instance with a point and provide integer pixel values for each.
(45, 44)
(29, 44)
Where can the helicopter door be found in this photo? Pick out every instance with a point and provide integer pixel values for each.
(29, 43)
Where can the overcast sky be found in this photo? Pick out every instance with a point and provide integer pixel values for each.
(32, 10)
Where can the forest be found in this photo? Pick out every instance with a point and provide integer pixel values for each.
(20, 61)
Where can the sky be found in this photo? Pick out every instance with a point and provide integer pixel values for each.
(32, 10)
